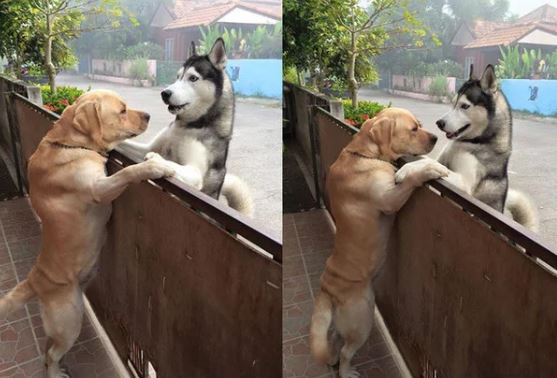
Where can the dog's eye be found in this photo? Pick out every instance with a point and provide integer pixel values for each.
(123, 111)
(415, 129)
(193, 78)
(464, 106)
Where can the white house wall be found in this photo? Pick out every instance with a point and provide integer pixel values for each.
(539, 37)
(243, 16)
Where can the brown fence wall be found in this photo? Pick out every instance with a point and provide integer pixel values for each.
(177, 285)
(303, 101)
(32, 124)
(9, 142)
(458, 293)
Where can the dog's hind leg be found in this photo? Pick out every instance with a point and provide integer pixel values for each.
(353, 321)
(62, 316)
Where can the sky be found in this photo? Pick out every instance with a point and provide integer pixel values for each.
(521, 7)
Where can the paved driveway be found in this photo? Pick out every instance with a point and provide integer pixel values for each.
(255, 151)
(534, 154)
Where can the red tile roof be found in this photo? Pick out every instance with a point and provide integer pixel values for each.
(482, 27)
(505, 36)
(190, 13)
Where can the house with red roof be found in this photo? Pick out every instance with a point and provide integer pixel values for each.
(177, 27)
(479, 42)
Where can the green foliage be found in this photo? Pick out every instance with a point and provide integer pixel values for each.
(61, 99)
(438, 88)
(33, 26)
(551, 64)
(517, 63)
(290, 74)
(444, 68)
(145, 50)
(139, 69)
(262, 43)
(365, 110)
(340, 38)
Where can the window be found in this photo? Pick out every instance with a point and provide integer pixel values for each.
(467, 62)
(169, 49)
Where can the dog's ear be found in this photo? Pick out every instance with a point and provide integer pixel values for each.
(471, 77)
(191, 51)
(381, 132)
(217, 56)
(488, 82)
(87, 120)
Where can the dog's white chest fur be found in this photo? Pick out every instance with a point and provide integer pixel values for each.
(465, 169)
(182, 146)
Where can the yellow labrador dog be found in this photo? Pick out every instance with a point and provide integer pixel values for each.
(72, 195)
(363, 194)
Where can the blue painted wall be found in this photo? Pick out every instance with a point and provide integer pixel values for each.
(537, 96)
(256, 77)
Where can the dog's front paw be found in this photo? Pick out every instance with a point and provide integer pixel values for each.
(402, 173)
(153, 156)
(350, 373)
(155, 169)
(433, 170)
(190, 175)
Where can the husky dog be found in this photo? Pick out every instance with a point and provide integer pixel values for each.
(480, 129)
(197, 140)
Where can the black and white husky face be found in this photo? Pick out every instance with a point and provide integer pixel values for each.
(473, 107)
(199, 84)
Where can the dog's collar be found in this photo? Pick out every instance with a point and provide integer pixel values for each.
(362, 155)
(482, 139)
(61, 145)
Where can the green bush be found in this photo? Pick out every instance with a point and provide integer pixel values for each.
(443, 68)
(517, 63)
(438, 88)
(365, 110)
(265, 42)
(139, 69)
(61, 99)
(145, 50)
(290, 75)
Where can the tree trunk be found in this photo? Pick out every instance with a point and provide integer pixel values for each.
(49, 66)
(352, 83)
(299, 76)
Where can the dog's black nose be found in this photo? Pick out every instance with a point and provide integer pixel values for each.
(166, 95)
(146, 116)
(440, 124)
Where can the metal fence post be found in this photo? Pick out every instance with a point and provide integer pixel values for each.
(314, 137)
(14, 132)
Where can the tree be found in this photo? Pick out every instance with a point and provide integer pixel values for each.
(54, 22)
(109, 45)
(14, 39)
(362, 33)
(302, 47)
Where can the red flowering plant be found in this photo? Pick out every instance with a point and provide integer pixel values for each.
(364, 111)
(63, 97)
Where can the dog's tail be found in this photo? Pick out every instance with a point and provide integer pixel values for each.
(522, 210)
(237, 194)
(16, 299)
(320, 323)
